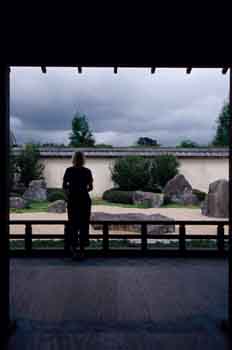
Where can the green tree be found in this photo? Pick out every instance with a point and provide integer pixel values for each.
(138, 173)
(187, 144)
(12, 169)
(81, 135)
(103, 145)
(12, 161)
(147, 141)
(131, 173)
(163, 168)
(28, 165)
(222, 133)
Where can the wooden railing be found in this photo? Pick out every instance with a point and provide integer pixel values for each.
(143, 236)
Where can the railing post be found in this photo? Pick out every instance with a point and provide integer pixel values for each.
(105, 238)
(66, 238)
(28, 238)
(144, 238)
(220, 238)
(182, 236)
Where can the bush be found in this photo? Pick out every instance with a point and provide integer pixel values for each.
(19, 189)
(55, 194)
(116, 196)
(138, 173)
(163, 169)
(200, 195)
(28, 165)
(131, 173)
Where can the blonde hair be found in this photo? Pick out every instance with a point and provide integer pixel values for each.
(78, 159)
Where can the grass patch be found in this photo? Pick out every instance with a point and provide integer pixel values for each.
(39, 207)
(51, 243)
(99, 201)
(33, 207)
(201, 243)
(117, 243)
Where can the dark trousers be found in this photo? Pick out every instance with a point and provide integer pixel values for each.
(78, 217)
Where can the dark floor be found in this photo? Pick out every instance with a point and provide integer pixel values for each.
(141, 303)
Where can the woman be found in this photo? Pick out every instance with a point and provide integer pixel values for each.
(77, 182)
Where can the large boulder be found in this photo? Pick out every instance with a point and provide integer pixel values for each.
(178, 190)
(217, 200)
(204, 207)
(58, 206)
(36, 191)
(17, 203)
(151, 229)
(149, 199)
(188, 198)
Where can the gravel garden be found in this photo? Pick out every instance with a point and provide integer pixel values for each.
(145, 189)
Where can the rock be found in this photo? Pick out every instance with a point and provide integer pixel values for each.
(178, 190)
(189, 198)
(58, 206)
(217, 200)
(174, 189)
(36, 191)
(152, 229)
(204, 206)
(150, 199)
(17, 203)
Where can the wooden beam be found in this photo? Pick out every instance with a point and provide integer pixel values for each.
(225, 70)
(153, 69)
(230, 204)
(227, 324)
(4, 201)
(44, 69)
(189, 70)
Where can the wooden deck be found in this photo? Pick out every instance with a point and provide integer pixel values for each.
(119, 303)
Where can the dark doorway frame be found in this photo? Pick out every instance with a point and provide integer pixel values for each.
(4, 170)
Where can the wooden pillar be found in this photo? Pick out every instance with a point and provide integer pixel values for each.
(230, 205)
(4, 202)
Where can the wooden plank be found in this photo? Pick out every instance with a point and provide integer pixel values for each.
(122, 304)
(105, 242)
(182, 236)
(28, 238)
(129, 222)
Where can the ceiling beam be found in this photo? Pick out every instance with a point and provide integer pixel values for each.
(79, 69)
(224, 70)
(44, 69)
(153, 70)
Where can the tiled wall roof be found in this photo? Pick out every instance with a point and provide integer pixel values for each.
(127, 151)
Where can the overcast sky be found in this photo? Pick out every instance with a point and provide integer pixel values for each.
(168, 106)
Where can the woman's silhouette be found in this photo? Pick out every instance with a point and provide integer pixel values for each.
(77, 182)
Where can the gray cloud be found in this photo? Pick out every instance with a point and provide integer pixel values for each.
(168, 105)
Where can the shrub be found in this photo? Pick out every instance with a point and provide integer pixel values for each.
(138, 173)
(54, 194)
(19, 189)
(163, 169)
(28, 164)
(200, 195)
(131, 173)
(116, 196)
